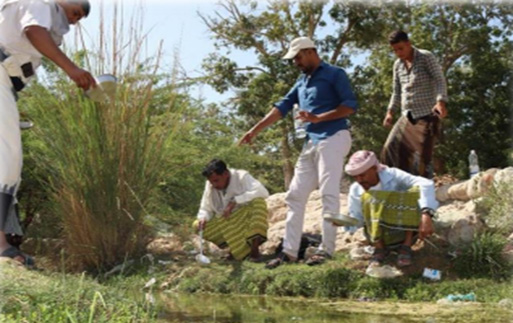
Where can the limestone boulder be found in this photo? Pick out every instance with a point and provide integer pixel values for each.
(464, 230)
(312, 222)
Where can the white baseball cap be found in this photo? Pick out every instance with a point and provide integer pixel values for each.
(298, 44)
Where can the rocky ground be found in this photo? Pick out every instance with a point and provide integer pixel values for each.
(456, 223)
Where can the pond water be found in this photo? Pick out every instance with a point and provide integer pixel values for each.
(226, 308)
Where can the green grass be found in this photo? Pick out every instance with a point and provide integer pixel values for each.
(332, 280)
(31, 296)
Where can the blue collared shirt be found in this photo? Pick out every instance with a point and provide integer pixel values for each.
(326, 89)
(392, 179)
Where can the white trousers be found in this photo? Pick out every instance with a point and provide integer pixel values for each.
(10, 147)
(319, 166)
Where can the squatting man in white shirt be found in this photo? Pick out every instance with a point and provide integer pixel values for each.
(233, 212)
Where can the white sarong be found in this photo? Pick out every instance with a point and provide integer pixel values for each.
(10, 143)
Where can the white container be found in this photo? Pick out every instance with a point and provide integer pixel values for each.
(473, 163)
(299, 126)
(340, 219)
(433, 274)
(105, 88)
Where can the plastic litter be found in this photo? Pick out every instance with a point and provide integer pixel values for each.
(433, 274)
(385, 271)
(470, 297)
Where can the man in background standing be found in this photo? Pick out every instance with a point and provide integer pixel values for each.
(420, 90)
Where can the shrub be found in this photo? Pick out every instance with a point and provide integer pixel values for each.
(483, 258)
(496, 208)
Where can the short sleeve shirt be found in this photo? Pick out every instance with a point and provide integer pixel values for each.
(16, 15)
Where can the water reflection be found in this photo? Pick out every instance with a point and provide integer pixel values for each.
(229, 309)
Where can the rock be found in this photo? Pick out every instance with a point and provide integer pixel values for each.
(503, 176)
(165, 245)
(464, 230)
(506, 303)
(9, 262)
(312, 222)
(451, 212)
(361, 253)
(473, 188)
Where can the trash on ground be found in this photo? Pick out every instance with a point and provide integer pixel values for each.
(150, 282)
(385, 271)
(433, 274)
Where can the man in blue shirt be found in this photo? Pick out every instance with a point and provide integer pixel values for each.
(324, 95)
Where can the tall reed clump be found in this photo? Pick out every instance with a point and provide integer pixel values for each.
(103, 160)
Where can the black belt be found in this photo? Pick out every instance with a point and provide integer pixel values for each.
(26, 68)
(414, 121)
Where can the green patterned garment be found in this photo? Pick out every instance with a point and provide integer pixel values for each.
(239, 229)
(388, 214)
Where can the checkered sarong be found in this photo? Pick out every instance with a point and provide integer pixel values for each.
(388, 214)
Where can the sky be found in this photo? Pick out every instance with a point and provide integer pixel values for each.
(178, 26)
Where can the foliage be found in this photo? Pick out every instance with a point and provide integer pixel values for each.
(36, 297)
(471, 40)
(100, 163)
(332, 280)
(496, 208)
(483, 258)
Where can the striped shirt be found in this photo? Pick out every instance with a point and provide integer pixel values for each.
(417, 90)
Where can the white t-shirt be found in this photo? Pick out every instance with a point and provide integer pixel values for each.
(16, 15)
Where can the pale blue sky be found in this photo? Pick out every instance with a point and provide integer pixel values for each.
(177, 24)
(180, 28)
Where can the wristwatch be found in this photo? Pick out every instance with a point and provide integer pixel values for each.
(428, 211)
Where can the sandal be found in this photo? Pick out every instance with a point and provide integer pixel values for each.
(278, 261)
(13, 252)
(404, 256)
(318, 258)
(378, 256)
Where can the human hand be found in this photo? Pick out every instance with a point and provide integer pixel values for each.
(388, 121)
(246, 139)
(440, 110)
(306, 116)
(82, 78)
(426, 226)
(228, 210)
(201, 224)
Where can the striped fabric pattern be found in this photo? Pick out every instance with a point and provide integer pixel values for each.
(388, 214)
(239, 229)
(410, 146)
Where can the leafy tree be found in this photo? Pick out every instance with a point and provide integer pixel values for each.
(459, 34)
(267, 33)
(473, 44)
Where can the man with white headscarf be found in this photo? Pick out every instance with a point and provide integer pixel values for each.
(394, 207)
(29, 31)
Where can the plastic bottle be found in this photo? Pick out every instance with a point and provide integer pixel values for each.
(299, 126)
(473, 163)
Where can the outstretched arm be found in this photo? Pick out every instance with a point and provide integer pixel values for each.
(271, 117)
(43, 42)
